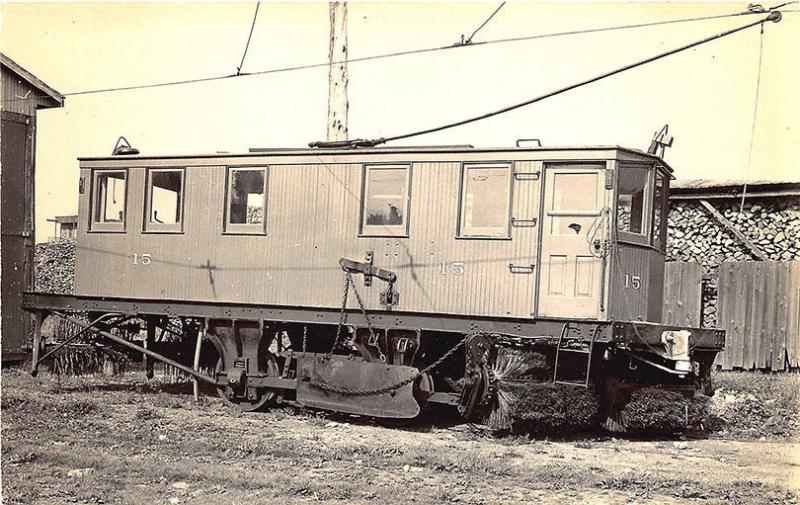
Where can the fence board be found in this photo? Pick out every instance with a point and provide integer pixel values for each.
(781, 317)
(759, 308)
(793, 326)
(682, 291)
(766, 332)
(723, 279)
(758, 351)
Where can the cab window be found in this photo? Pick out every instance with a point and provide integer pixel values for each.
(246, 201)
(659, 200)
(385, 201)
(164, 200)
(632, 200)
(109, 191)
(485, 201)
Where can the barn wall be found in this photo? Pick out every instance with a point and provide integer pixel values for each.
(16, 141)
(312, 220)
(15, 87)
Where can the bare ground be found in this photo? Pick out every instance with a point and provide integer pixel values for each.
(119, 441)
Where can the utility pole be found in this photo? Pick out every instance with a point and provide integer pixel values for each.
(337, 73)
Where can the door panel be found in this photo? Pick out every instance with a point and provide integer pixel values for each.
(16, 237)
(570, 276)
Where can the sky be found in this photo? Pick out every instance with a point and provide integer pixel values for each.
(706, 95)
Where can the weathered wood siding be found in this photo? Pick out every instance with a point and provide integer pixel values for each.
(682, 293)
(13, 88)
(313, 215)
(759, 307)
(17, 226)
(626, 301)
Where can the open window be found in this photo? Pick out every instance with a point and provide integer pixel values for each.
(109, 192)
(246, 203)
(633, 202)
(385, 204)
(659, 209)
(165, 197)
(485, 201)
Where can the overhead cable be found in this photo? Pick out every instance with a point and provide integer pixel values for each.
(773, 16)
(389, 55)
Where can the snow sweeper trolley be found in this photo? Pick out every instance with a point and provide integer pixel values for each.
(377, 281)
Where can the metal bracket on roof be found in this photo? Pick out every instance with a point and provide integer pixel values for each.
(347, 144)
(521, 142)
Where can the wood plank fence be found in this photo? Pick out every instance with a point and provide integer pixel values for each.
(758, 306)
(682, 292)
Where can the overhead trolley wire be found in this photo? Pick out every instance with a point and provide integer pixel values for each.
(468, 40)
(391, 55)
(773, 16)
(247, 46)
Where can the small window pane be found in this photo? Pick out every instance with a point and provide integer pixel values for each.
(658, 205)
(246, 197)
(485, 201)
(109, 200)
(386, 200)
(631, 199)
(166, 197)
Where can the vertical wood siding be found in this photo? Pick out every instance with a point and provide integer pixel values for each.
(312, 220)
(629, 303)
(682, 294)
(15, 87)
(759, 308)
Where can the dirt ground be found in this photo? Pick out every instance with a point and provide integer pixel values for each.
(117, 440)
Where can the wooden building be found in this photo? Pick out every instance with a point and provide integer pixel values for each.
(64, 227)
(22, 95)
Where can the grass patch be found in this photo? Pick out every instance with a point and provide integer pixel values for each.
(755, 404)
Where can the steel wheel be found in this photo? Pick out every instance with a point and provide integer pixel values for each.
(264, 396)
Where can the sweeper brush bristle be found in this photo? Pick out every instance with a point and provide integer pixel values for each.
(85, 359)
(526, 400)
(510, 368)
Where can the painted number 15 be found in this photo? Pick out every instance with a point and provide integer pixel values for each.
(455, 268)
(633, 281)
(144, 259)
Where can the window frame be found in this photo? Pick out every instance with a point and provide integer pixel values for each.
(382, 230)
(465, 166)
(229, 228)
(644, 237)
(147, 225)
(661, 245)
(105, 226)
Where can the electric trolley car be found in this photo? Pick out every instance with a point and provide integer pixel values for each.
(377, 281)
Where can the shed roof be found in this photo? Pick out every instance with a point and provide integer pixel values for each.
(687, 189)
(54, 98)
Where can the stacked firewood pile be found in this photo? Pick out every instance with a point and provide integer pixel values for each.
(55, 266)
(770, 224)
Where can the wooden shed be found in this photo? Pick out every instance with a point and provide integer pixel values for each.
(22, 95)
